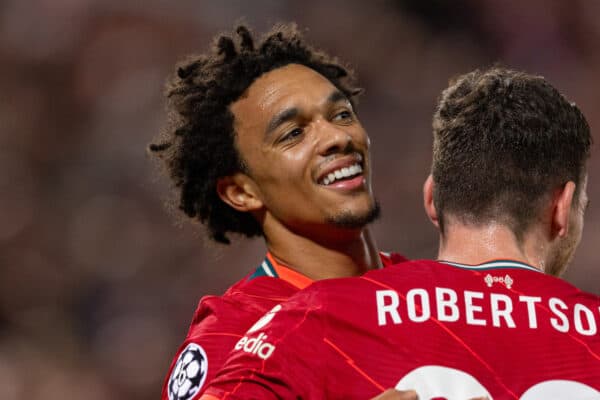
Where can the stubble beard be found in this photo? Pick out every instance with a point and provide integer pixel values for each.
(565, 254)
(558, 266)
(350, 220)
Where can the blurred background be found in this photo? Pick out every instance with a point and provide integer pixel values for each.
(98, 280)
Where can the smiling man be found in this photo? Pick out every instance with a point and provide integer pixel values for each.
(307, 166)
(265, 141)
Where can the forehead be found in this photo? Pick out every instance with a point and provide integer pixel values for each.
(290, 86)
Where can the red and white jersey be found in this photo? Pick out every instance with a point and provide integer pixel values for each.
(501, 329)
(221, 321)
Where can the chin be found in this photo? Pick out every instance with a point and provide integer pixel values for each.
(355, 220)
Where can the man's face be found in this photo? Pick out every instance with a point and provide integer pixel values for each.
(306, 152)
(566, 249)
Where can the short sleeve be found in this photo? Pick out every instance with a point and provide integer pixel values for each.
(216, 328)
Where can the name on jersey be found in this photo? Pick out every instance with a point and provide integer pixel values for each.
(484, 309)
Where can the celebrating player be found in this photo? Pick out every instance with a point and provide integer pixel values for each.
(508, 194)
(265, 141)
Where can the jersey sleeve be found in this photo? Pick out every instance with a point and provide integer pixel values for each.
(278, 358)
(211, 336)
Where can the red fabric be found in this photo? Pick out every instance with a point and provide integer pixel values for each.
(329, 341)
(220, 321)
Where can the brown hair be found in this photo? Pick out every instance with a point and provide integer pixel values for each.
(503, 140)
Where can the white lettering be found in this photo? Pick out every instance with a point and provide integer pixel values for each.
(384, 309)
(412, 305)
(471, 309)
(563, 324)
(439, 382)
(531, 309)
(578, 311)
(504, 312)
(252, 344)
(257, 346)
(265, 350)
(447, 310)
(241, 343)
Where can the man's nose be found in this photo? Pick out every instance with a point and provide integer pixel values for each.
(332, 138)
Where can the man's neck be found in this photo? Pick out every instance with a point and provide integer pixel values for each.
(473, 245)
(319, 259)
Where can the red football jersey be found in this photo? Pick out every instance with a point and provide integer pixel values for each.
(501, 329)
(221, 321)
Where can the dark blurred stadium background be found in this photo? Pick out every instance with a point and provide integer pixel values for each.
(97, 281)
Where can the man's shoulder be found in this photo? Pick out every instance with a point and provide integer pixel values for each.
(399, 267)
(328, 290)
(242, 303)
(261, 286)
(218, 323)
(502, 276)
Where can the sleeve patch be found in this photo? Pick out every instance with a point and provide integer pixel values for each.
(189, 373)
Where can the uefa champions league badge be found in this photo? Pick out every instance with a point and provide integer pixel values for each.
(189, 373)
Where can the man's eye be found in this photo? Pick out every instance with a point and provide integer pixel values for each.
(294, 133)
(343, 116)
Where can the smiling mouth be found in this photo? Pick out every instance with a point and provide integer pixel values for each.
(344, 173)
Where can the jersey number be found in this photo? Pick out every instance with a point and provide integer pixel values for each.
(434, 381)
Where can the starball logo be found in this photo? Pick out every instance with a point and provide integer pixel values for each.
(257, 346)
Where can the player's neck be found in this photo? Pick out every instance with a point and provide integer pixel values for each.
(473, 245)
(318, 259)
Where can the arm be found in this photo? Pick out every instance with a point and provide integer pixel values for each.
(216, 327)
(278, 359)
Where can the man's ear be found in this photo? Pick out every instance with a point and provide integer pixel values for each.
(240, 192)
(561, 210)
(430, 210)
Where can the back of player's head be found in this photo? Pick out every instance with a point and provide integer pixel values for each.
(198, 146)
(503, 141)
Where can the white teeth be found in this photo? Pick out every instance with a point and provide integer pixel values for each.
(341, 173)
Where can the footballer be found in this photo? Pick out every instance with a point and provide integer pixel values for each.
(264, 140)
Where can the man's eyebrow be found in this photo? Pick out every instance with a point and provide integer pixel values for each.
(281, 118)
(337, 96)
(293, 112)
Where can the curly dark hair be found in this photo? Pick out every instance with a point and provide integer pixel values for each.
(503, 140)
(198, 146)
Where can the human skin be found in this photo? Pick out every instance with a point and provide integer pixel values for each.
(293, 128)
